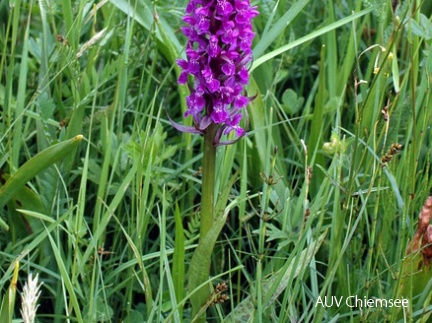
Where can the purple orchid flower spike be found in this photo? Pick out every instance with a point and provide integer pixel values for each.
(219, 47)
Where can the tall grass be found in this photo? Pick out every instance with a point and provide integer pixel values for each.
(111, 226)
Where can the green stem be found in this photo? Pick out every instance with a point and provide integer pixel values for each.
(208, 181)
(201, 260)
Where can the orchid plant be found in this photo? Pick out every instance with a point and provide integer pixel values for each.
(218, 51)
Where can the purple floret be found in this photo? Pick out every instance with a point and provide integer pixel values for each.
(219, 47)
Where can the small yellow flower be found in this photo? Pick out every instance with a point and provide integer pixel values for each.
(336, 145)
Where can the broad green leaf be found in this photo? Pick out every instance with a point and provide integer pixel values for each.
(26, 199)
(35, 165)
(199, 269)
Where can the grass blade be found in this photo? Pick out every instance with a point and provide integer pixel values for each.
(278, 28)
(309, 37)
(65, 278)
(178, 271)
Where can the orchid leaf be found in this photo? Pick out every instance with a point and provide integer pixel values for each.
(199, 269)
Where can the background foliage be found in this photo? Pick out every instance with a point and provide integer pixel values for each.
(316, 210)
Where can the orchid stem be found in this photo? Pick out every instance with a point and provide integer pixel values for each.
(208, 181)
(200, 270)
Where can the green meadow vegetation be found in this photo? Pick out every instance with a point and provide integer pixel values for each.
(100, 195)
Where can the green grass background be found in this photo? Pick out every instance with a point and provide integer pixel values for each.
(111, 227)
